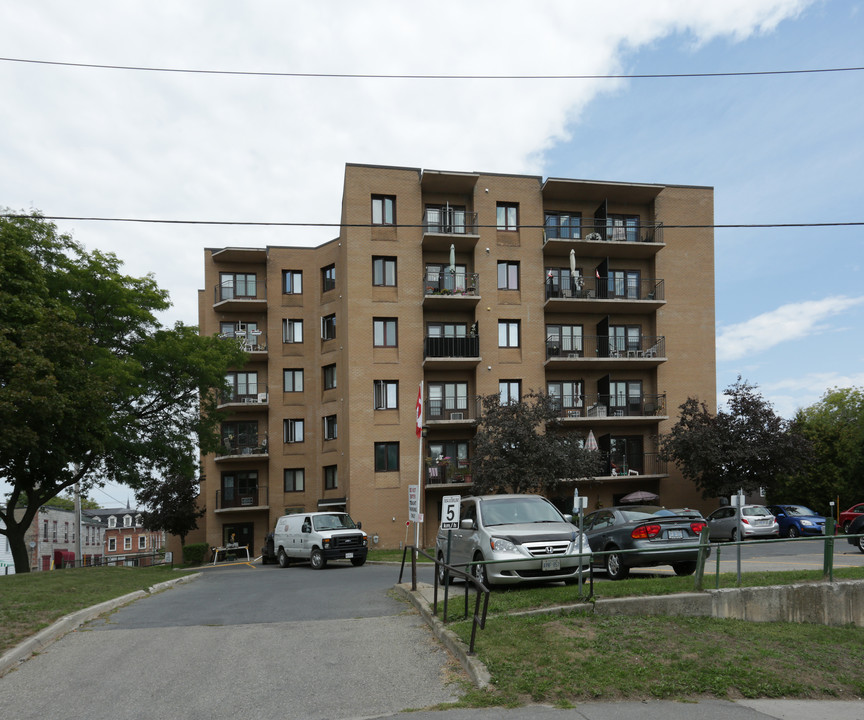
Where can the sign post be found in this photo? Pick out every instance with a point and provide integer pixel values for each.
(579, 505)
(450, 509)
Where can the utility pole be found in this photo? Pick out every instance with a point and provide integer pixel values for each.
(79, 561)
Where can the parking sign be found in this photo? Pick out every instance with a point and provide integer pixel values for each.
(450, 506)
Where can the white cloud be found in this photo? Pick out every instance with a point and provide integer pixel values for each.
(788, 322)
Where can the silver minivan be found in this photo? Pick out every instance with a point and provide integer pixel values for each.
(528, 531)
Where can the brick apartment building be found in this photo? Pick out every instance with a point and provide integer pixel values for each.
(600, 293)
(50, 539)
(126, 539)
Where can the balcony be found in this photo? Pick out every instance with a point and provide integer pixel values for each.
(243, 447)
(448, 471)
(450, 290)
(247, 400)
(633, 465)
(617, 409)
(227, 298)
(452, 410)
(444, 227)
(604, 294)
(602, 351)
(597, 239)
(240, 499)
(253, 342)
(452, 353)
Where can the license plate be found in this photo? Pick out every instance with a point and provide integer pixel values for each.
(348, 556)
(675, 534)
(554, 564)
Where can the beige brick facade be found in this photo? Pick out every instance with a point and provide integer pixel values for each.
(623, 341)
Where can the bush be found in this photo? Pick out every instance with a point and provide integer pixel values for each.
(194, 554)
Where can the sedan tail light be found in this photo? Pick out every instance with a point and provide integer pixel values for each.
(697, 527)
(645, 532)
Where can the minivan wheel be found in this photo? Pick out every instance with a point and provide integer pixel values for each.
(441, 571)
(615, 568)
(479, 571)
(317, 559)
(282, 558)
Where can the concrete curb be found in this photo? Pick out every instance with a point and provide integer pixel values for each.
(38, 642)
(476, 670)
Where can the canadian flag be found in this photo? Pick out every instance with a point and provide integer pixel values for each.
(420, 412)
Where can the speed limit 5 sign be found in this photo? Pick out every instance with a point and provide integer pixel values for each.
(450, 511)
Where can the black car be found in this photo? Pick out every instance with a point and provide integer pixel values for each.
(856, 527)
(657, 532)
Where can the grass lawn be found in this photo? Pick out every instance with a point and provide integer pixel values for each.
(562, 659)
(32, 601)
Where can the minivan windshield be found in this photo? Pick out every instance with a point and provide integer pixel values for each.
(333, 521)
(509, 511)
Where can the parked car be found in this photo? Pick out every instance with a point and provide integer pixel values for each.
(847, 516)
(658, 532)
(527, 528)
(796, 520)
(856, 527)
(756, 521)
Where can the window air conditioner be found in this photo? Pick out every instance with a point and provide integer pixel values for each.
(262, 397)
(456, 415)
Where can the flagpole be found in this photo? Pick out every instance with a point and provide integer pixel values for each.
(419, 464)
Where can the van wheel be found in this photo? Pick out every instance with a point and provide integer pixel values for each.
(441, 571)
(317, 559)
(358, 561)
(479, 571)
(283, 559)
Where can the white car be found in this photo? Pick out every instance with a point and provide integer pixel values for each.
(756, 522)
(524, 528)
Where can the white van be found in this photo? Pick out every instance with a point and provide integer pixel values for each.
(318, 537)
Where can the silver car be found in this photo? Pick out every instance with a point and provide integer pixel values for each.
(539, 542)
(756, 522)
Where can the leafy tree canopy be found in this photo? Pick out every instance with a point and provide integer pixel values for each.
(520, 447)
(173, 505)
(92, 387)
(746, 447)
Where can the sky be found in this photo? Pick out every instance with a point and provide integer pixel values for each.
(778, 149)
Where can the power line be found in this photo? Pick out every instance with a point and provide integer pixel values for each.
(162, 221)
(426, 76)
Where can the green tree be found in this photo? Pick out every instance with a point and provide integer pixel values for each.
(749, 446)
(67, 502)
(172, 505)
(92, 387)
(835, 428)
(520, 447)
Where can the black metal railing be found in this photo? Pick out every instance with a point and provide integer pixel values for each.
(608, 231)
(448, 283)
(596, 405)
(605, 346)
(634, 464)
(240, 498)
(243, 444)
(249, 394)
(449, 221)
(448, 471)
(451, 347)
(229, 291)
(611, 287)
(453, 407)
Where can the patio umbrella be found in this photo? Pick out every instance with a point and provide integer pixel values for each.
(640, 496)
(591, 442)
(452, 259)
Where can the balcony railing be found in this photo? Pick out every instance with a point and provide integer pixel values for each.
(607, 231)
(585, 287)
(448, 283)
(618, 465)
(228, 291)
(448, 220)
(453, 407)
(227, 498)
(582, 406)
(243, 445)
(452, 347)
(447, 472)
(250, 394)
(604, 346)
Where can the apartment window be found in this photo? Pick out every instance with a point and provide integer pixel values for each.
(384, 271)
(127, 543)
(54, 531)
(624, 284)
(508, 275)
(112, 521)
(112, 544)
(563, 225)
(292, 331)
(566, 394)
(66, 532)
(240, 485)
(383, 210)
(241, 385)
(331, 477)
(446, 398)
(292, 380)
(564, 341)
(292, 282)
(292, 430)
(445, 219)
(457, 450)
(45, 529)
(386, 456)
(328, 278)
(330, 429)
(142, 542)
(507, 216)
(440, 277)
(508, 333)
(237, 285)
(127, 519)
(510, 391)
(625, 397)
(294, 480)
(329, 376)
(386, 394)
(238, 438)
(622, 228)
(384, 332)
(328, 327)
(624, 339)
